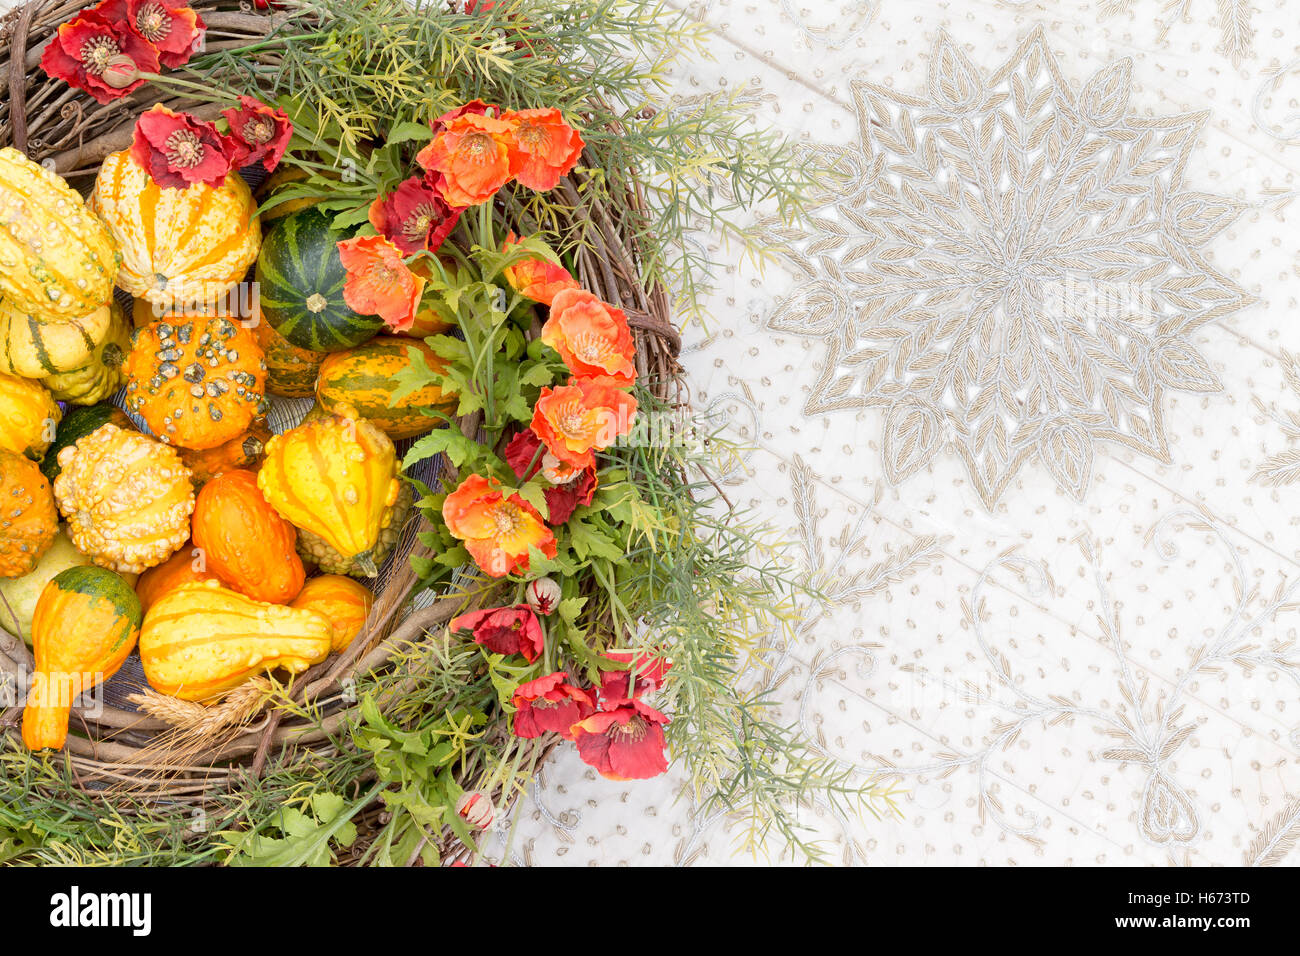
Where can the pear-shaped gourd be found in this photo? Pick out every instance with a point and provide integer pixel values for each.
(87, 621)
(201, 639)
(336, 477)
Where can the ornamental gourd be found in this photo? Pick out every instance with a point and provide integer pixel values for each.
(186, 566)
(86, 623)
(28, 521)
(127, 498)
(366, 378)
(335, 476)
(315, 550)
(178, 245)
(200, 640)
(341, 601)
(18, 596)
(33, 347)
(102, 374)
(242, 451)
(300, 280)
(56, 258)
(246, 542)
(197, 382)
(290, 371)
(28, 416)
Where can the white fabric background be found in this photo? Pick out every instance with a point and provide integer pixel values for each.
(1007, 738)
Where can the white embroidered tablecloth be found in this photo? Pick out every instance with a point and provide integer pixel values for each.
(1020, 394)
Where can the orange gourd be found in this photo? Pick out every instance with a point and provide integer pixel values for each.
(198, 381)
(245, 541)
(86, 623)
(28, 521)
(243, 451)
(186, 566)
(341, 601)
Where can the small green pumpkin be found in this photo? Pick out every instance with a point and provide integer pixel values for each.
(300, 285)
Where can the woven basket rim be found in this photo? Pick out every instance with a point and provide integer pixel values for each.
(118, 749)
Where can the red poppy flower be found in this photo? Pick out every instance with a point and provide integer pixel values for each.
(650, 672)
(537, 279)
(498, 532)
(625, 743)
(379, 282)
(257, 133)
(414, 216)
(550, 705)
(545, 148)
(99, 56)
(505, 630)
(562, 498)
(577, 420)
(592, 337)
(178, 150)
(175, 32)
(469, 158)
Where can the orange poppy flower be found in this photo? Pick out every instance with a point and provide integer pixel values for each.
(591, 336)
(379, 282)
(469, 158)
(577, 420)
(537, 279)
(497, 531)
(545, 147)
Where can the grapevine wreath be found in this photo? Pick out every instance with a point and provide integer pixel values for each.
(350, 464)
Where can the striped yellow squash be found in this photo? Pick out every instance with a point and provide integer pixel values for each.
(179, 246)
(202, 639)
(56, 258)
(33, 348)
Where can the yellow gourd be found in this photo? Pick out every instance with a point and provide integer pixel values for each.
(28, 416)
(200, 640)
(336, 477)
(127, 498)
(56, 257)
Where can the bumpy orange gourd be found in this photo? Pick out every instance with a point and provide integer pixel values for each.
(246, 542)
(341, 601)
(127, 498)
(184, 567)
(200, 640)
(58, 259)
(86, 622)
(28, 416)
(178, 246)
(335, 476)
(242, 451)
(28, 521)
(197, 381)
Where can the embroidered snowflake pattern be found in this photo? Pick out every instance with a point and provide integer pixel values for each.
(1010, 267)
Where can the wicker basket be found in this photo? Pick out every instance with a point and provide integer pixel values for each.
(113, 746)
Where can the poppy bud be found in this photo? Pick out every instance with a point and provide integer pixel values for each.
(476, 809)
(543, 595)
(120, 72)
